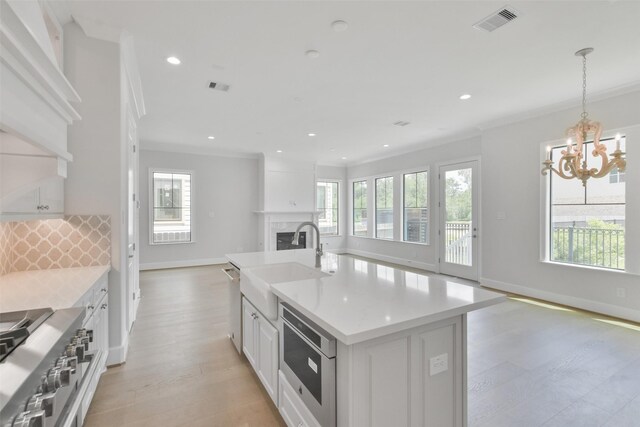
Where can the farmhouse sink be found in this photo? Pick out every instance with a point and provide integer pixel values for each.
(255, 283)
(286, 272)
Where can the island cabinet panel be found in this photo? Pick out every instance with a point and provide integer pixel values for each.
(267, 366)
(410, 378)
(248, 332)
(260, 346)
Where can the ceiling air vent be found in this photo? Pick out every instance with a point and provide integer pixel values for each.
(218, 86)
(401, 123)
(497, 19)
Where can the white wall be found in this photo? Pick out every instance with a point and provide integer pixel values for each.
(511, 183)
(224, 201)
(95, 177)
(412, 254)
(337, 173)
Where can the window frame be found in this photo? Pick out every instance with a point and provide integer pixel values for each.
(427, 207)
(191, 173)
(339, 206)
(375, 204)
(547, 208)
(353, 208)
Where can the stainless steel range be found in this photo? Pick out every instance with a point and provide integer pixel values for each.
(46, 361)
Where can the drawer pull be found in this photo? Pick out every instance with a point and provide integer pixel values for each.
(104, 306)
(90, 307)
(104, 290)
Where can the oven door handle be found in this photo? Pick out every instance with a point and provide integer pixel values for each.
(72, 414)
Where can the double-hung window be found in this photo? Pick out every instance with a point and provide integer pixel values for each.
(327, 205)
(360, 208)
(415, 214)
(587, 223)
(171, 207)
(384, 208)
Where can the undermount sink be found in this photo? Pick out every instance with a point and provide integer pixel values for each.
(286, 272)
(255, 283)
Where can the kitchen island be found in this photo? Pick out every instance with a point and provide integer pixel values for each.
(401, 336)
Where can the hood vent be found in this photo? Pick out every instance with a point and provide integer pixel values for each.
(218, 86)
(497, 19)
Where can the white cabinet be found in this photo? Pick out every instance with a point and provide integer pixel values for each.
(260, 346)
(44, 199)
(96, 304)
(292, 408)
(411, 378)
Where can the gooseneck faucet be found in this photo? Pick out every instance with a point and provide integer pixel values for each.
(319, 252)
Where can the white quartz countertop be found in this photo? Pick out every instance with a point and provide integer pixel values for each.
(362, 300)
(57, 288)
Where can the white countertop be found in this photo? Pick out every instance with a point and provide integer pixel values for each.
(57, 288)
(362, 300)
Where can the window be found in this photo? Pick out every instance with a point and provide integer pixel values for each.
(360, 208)
(384, 208)
(171, 208)
(327, 204)
(615, 176)
(415, 215)
(588, 222)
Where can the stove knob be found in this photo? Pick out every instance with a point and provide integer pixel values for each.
(70, 350)
(53, 381)
(41, 401)
(29, 419)
(66, 361)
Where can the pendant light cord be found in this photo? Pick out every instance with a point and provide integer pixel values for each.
(584, 88)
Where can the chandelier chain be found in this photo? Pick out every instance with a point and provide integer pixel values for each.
(584, 88)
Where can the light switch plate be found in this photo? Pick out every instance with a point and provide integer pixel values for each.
(438, 364)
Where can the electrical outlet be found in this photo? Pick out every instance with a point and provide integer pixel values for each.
(438, 364)
(621, 292)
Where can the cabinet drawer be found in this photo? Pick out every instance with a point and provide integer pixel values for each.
(291, 407)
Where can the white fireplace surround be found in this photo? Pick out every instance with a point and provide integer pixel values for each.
(272, 223)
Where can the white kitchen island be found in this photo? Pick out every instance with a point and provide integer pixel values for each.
(401, 336)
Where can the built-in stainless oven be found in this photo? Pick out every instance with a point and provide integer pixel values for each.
(308, 361)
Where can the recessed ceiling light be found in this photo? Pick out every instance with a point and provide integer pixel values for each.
(339, 26)
(173, 60)
(311, 134)
(211, 137)
(313, 54)
(385, 145)
(465, 96)
(344, 158)
(278, 151)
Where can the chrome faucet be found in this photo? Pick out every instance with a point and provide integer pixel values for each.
(319, 252)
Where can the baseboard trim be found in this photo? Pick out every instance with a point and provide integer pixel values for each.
(571, 301)
(181, 263)
(118, 355)
(393, 260)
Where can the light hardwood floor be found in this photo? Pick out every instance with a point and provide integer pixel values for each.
(529, 365)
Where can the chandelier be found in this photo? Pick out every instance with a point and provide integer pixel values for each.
(573, 163)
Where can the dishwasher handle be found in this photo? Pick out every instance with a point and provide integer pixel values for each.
(232, 274)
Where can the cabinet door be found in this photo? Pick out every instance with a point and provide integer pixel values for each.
(26, 203)
(52, 195)
(267, 360)
(248, 332)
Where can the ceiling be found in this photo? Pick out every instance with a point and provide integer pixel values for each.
(397, 61)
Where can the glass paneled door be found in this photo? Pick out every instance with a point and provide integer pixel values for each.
(459, 220)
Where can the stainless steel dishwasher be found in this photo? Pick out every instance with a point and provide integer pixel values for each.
(235, 305)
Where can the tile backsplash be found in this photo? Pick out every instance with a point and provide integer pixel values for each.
(75, 241)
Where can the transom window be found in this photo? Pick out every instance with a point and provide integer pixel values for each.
(171, 207)
(327, 204)
(415, 214)
(588, 222)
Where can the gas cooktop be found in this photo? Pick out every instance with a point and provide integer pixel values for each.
(16, 326)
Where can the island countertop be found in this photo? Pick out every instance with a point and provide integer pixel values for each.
(361, 300)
